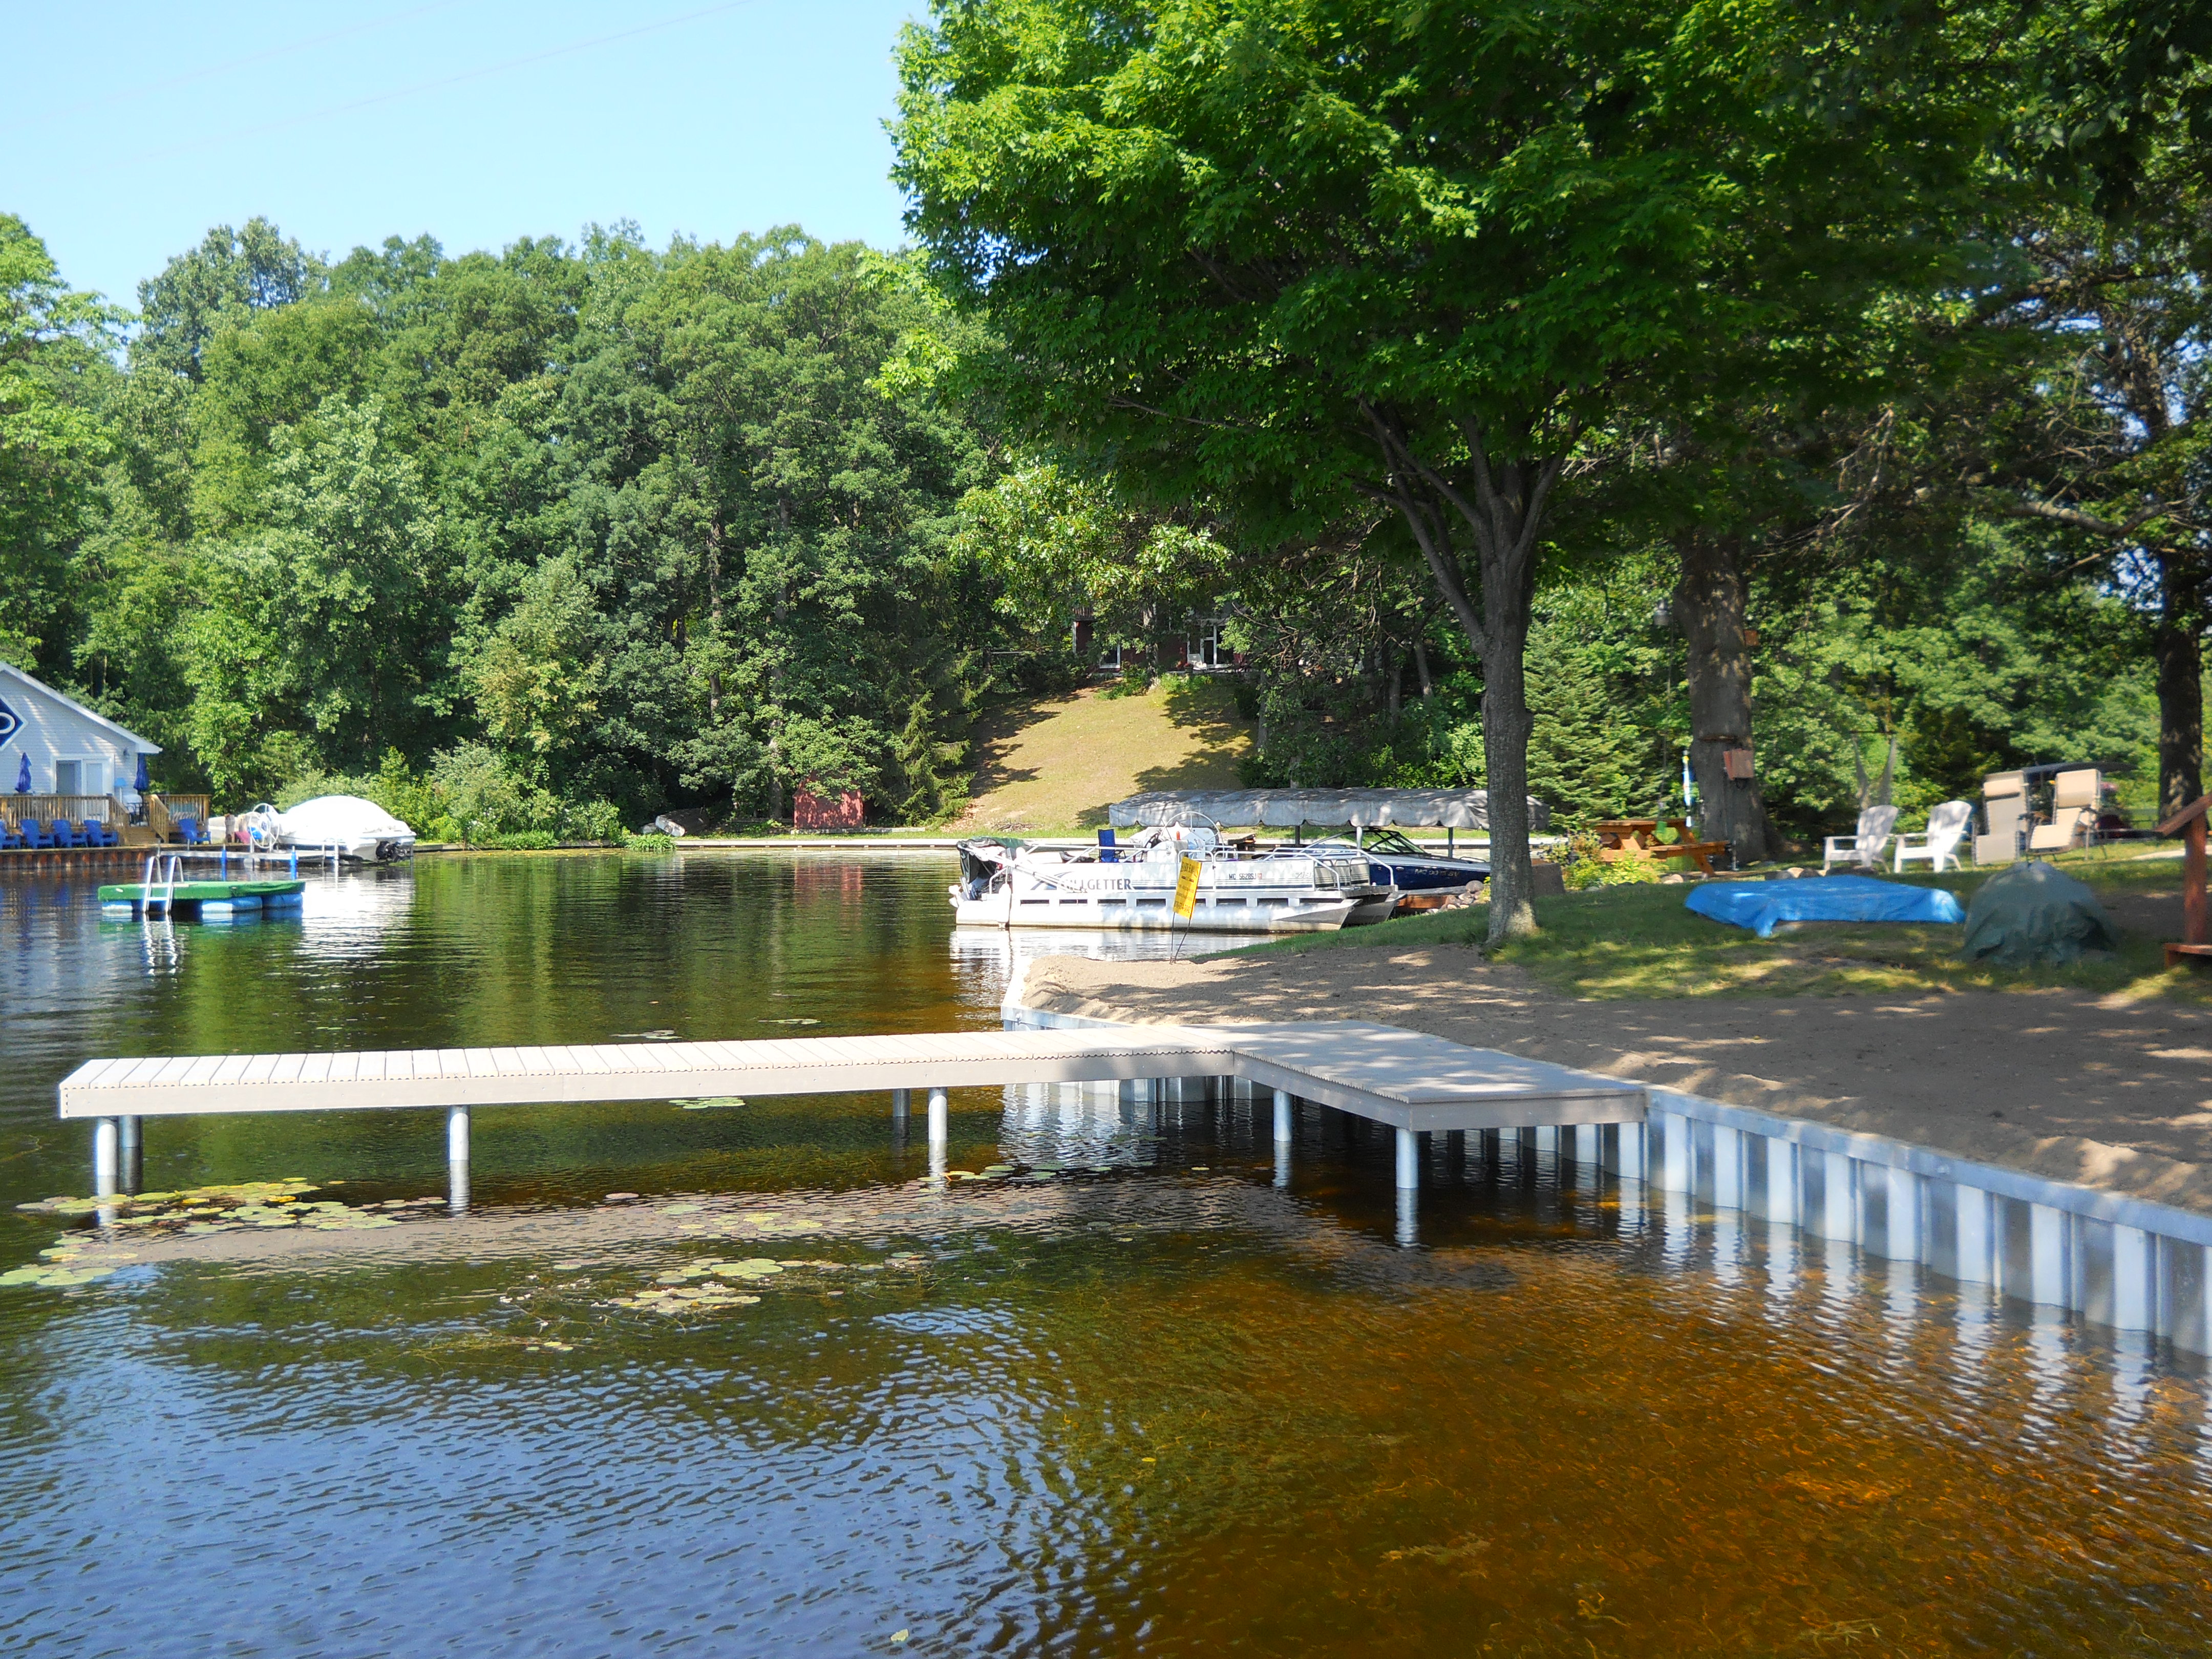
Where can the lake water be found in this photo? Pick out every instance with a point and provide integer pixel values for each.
(1139, 1400)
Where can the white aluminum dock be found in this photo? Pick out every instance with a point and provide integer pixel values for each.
(1412, 1082)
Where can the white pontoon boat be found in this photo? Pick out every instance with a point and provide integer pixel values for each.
(1288, 890)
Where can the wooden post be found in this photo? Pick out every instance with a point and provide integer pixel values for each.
(2190, 820)
(2192, 883)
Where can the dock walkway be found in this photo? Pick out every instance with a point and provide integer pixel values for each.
(1411, 1081)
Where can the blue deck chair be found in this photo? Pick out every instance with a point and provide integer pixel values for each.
(9, 841)
(189, 831)
(65, 833)
(1108, 854)
(34, 833)
(97, 834)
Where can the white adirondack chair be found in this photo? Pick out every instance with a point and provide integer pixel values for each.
(1863, 849)
(1947, 827)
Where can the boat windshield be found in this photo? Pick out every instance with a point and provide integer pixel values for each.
(1392, 841)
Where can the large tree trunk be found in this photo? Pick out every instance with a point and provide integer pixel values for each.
(2179, 648)
(1509, 592)
(1708, 606)
(1506, 723)
(1501, 515)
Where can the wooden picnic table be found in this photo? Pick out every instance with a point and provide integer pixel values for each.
(1639, 838)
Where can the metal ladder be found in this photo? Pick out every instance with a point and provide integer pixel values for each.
(168, 882)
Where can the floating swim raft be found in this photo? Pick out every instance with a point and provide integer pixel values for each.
(203, 899)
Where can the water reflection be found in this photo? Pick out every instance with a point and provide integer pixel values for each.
(1002, 950)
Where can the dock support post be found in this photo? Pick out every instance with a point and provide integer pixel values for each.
(940, 1131)
(457, 1158)
(134, 1160)
(106, 1138)
(1409, 1216)
(1409, 1161)
(1283, 1135)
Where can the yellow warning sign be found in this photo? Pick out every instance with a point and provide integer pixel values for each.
(1187, 887)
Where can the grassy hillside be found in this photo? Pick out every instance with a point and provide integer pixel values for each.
(1050, 765)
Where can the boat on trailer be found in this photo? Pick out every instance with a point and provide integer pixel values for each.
(331, 826)
(1397, 858)
(1304, 890)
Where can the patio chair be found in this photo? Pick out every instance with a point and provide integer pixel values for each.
(9, 841)
(97, 834)
(34, 834)
(188, 829)
(65, 833)
(1947, 827)
(2004, 803)
(2074, 797)
(1863, 849)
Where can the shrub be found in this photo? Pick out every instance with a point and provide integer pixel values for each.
(1583, 868)
(1046, 673)
(1134, 681)
(594, 820)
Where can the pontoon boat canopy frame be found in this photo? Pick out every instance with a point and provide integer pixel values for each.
(1289, 809)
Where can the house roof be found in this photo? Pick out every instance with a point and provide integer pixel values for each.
(143, 745)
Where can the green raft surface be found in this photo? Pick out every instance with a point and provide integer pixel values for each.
(200, 892)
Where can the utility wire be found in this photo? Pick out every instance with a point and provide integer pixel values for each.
(445, 80)
(266, 55)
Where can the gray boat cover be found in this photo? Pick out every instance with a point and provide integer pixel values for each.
(2032, 913)
(1288, 809)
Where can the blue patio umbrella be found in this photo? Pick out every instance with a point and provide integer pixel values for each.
(23, 777)
(139, 783)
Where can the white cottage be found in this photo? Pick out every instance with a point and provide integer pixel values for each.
(69, 750)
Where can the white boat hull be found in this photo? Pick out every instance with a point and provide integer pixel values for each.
(1148, 915)
(330, 827)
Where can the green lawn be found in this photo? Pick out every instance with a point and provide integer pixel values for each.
(1641, 942)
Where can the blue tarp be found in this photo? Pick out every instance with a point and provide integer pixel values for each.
(1759, 905)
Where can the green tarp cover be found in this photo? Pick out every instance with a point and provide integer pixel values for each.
(2031, 914)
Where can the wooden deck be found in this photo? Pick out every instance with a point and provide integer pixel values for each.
(1404, 1078)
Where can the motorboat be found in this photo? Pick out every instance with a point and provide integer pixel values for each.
(1290, 889)
(331, 826)
(1393, 858)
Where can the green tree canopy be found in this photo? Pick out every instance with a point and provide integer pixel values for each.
(1296, 254)
(52, 339)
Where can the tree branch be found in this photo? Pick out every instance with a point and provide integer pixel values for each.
(1168, 415)
(2075, 519)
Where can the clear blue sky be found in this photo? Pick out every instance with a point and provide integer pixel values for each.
(129, 129)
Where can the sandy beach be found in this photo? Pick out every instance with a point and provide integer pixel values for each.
(2107, 1091)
